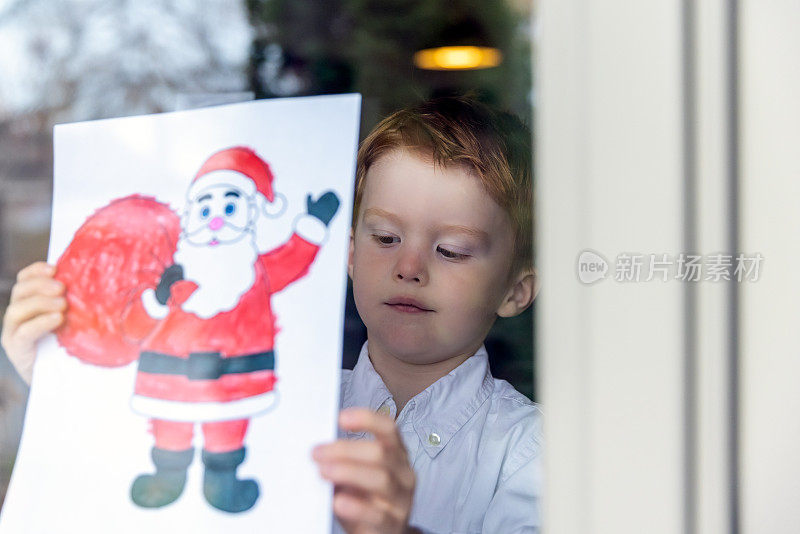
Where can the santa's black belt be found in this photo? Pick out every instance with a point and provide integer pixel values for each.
(205, 365)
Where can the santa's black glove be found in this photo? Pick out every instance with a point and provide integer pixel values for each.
(172, 274)
(324, 208)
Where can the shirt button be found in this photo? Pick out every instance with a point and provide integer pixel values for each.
(384, 410)
(434, 439)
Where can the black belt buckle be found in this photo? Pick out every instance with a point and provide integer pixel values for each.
(204, 366)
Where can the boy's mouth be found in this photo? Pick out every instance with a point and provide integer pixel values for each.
(407, 305)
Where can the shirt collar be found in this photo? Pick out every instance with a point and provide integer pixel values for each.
(439, 411)
(365, 388)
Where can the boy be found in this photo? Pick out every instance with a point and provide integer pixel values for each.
(440, 246)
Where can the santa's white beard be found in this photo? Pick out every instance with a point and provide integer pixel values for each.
(223, 273)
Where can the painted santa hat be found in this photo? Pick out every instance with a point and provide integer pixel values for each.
(242, 168)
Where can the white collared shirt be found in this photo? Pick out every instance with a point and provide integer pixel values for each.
(474, 443)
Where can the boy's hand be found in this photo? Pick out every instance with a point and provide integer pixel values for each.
(373, 481)
(36, 309)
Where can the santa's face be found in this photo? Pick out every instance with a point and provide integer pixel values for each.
(218, 214)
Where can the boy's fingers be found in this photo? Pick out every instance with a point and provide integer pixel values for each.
(26, 309)
(358, 510)
(36, 285)
(369, 478)
(39, 268)
(28, 333)
(364, 478)
(23, 325)
(349, 507)
(20, 344)
(369, 452)
(365, 420)
(373, 480)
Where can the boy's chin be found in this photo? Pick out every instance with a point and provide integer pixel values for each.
(399, 347)
(412, 350)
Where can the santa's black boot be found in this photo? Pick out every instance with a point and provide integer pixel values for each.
(166, 484)
(220, 485)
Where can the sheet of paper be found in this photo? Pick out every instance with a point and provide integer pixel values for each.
(262, 257)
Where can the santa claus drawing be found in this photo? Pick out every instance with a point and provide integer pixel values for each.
(202, 330)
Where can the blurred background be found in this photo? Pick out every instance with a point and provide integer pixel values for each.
(77, 60)
(662, 127)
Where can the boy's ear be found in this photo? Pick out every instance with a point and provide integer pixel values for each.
(350, 256)
(520, 294)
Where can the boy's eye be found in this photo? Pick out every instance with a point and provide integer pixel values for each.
(450, 254)
(385, 239)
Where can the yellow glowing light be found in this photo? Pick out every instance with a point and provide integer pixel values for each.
(458, 58)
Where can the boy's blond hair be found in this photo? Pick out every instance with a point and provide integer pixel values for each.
(494, 145)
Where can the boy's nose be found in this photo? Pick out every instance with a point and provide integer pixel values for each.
(410, 267)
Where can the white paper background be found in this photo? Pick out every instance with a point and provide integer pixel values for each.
(82, 446)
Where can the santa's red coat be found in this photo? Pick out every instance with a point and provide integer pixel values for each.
(248, 328)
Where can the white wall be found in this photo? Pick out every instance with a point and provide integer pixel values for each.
(669, 127)
(609, 175)
(770, 224)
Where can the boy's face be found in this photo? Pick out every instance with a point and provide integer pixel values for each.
(429, 258)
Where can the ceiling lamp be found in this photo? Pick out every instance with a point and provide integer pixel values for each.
(458, 58)
(462, 44)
